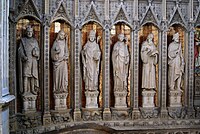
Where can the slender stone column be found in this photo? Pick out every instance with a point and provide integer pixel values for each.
(77, 73)
(190, 94)
(135, 112)
(12, 65)
(163, 53)
(46, 66)
(106, 113)
(106, 70)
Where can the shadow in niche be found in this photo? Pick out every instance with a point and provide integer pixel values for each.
(88, 128)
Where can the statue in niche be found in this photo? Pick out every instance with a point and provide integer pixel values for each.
(149, 56)
(60, 55)
(120, 60)
(29, 54)
(176, 64)
(196, 51)
(91, 56)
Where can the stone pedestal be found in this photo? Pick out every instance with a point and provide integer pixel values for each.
(29, 101)
(148, 98)
(60, 101)
(91, 99)
(120, 99)
(175, 98)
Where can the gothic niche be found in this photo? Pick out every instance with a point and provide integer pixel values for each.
(60, 88)
(176, 71)
(148, 72)
(28, 69)
(91, 64)
(120, 70)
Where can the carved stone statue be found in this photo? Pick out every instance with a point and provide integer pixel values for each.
(175, 71)
(176, 64)
(149, 56)
(120, 60)
(91, 56)
(60, 55)
(29, 55)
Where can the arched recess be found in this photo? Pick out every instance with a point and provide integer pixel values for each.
(145, 30)
(117, 28)
(21, 25)
(55, 27)
(181, 29)
(86, 28)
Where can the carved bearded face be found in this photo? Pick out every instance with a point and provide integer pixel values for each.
(29, 33)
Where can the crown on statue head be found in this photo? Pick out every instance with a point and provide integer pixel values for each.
(29, 28)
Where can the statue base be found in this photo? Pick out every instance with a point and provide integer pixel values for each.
(175, 98)
(121, 113)
(29, 101)
(92, 114)
(60, 101)
(120, 99)
(148, 98)
(91, 99)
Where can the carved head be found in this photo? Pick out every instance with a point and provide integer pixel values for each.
(29, 31)
(61, 35)
(176, 37)
(121, 37)
(150, 37)
(92, 36)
